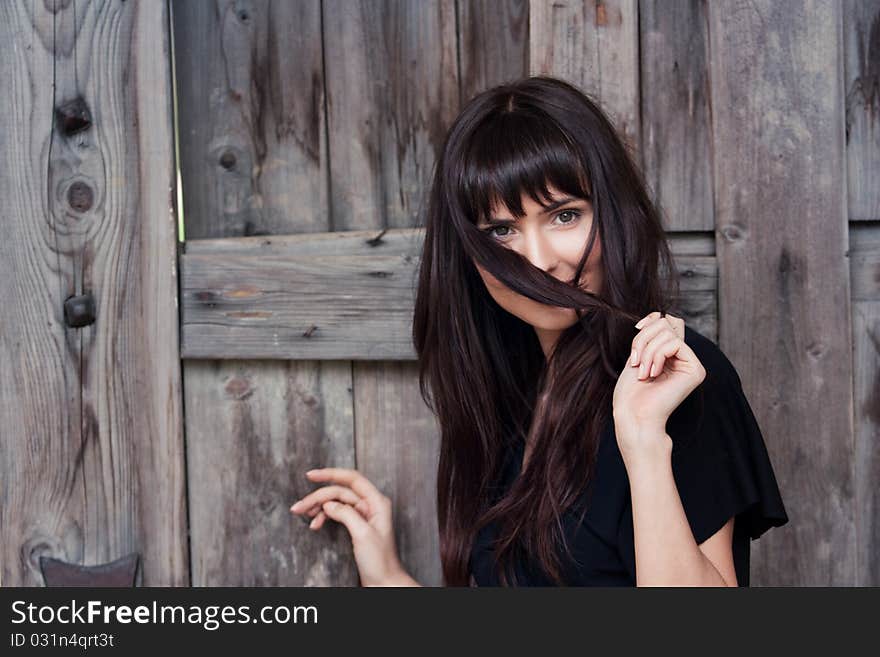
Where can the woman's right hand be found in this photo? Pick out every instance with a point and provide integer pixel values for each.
(354, 501)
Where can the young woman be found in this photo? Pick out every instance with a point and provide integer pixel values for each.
(588, 437)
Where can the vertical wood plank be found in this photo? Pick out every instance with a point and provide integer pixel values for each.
(777, 99)
(864, 258)
(866, 356)
(259, 426)
(392, 89)
(392, 84)
(593, 45)
(254, 162)
(861, 36)
(675, 111)
(493, 43)
(92, 446)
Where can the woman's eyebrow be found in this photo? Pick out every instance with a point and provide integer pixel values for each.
(547, 209)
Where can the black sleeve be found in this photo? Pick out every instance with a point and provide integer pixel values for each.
(719, 460)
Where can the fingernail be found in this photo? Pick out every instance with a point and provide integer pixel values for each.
(296, 505)
(330, 505)
(653, 365)
(310, 471)
(633, 358)
(312, 523)
(641, 371)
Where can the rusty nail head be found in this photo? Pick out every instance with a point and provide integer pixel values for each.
(79, 310)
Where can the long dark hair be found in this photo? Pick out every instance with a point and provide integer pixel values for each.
(481, 369)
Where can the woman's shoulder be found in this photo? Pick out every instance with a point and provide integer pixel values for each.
(717, 400)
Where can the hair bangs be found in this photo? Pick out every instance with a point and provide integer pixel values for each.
(515, 153)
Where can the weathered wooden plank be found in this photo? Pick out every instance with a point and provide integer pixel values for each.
(493, 43)
(392, 85)
(264, 424)
(327, 307)
(386, 242)
(777, 99)
(399, 447)
(332, 307)
(253, 152)
(92, 448)
(866, 393)
(392, 91)
(864, 260)
(255, 162)
(675, 111)
(861, 39)
(594, 46)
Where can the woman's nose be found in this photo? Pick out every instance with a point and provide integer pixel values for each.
(540, 253)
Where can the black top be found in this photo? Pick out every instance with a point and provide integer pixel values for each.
(721, 469)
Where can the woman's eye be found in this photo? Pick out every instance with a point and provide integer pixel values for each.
(491, 231)
(572, 213)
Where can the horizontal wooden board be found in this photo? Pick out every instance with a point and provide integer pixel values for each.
(334, 296)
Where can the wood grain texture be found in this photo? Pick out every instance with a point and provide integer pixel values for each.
(777, 99)
(864, 257)
(252, 137)
(861, 38)
(264, 424)
(327, 307)
(593, 45)
(92, 449)
(393, 91)
(676, 140)
(493, 43)
(254, 161)
(305, 299)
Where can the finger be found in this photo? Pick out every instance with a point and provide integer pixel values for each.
(640, 342)
(676, 323)
(654, 348)
(362, 508)
(318, 520)
(666, 349)
(647, 319)
(354, 480)
(317, 497)
(348, 516)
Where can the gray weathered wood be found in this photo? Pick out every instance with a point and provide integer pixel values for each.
(675, 111)
(254, 162)
(261, 425)
(594, 46)
(864, 261)
(864, 257)
(392, 85)
(306, 300)
(91, 455)
(493, 43)
(392, 91)
(861, 38)
(778, 126)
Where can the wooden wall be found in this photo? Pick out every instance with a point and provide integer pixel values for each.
(91, 456)
(307, 135)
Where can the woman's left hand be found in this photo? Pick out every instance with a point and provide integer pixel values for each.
(666, 372)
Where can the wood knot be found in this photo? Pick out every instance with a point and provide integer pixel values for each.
(80, 196)
(73, 117)
(227, 160)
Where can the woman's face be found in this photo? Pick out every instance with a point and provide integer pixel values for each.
(553, 240)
